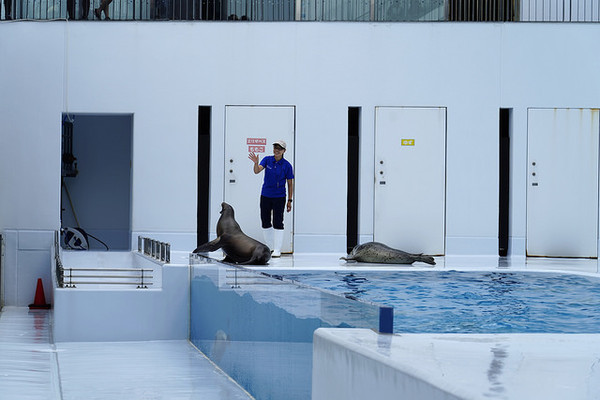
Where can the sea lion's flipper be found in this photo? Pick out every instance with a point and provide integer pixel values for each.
(348, 259)
(425, 258)
(210, 246)
(228, 259)
(260, 256)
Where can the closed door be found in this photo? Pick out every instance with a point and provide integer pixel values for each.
(410, 178)
(255, 128)
(562, 184)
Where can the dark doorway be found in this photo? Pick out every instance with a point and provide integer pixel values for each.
(96, 177)
(353, 177)
(203, 212)
(504, 182)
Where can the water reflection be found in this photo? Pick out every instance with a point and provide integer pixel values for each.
(474, 302)
(40, 325)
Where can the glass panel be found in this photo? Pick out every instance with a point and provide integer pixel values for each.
(336, 10)
(410, 10)
(259, 329)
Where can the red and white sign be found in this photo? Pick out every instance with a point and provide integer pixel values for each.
(256, 145)
(262, 141)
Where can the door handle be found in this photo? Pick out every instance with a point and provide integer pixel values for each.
(231, 177)
(380, 173)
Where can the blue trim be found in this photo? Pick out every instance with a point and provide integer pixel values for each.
(386, 319)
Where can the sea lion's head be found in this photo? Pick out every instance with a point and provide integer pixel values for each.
(226, 208)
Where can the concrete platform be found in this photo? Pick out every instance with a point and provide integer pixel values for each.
(359, 364)
(33, 367)
(461, 366)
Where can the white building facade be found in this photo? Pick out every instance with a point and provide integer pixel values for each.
(161, 72)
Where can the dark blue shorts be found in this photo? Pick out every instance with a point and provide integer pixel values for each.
(272, 206)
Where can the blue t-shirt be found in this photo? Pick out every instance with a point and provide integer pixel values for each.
(276, 175)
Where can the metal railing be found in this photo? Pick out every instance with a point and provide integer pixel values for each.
(483, 10)
(146, 10)
(236, 277)
(154, 248)
(71, 277)
(311, 10)
(58, 267)
(141, 278)
(560, 10)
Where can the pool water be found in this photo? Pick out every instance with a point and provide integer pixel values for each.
(473, 302)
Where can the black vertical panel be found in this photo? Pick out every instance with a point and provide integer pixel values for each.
(69, 161)
(1, 291)
(204, 113)
(353, 170)
(504, 182)
(482, 10)
(214, 10)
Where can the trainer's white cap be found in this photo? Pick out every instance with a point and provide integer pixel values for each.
(281, 143)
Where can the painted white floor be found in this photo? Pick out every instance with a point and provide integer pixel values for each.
(27, 355)
(331, 261)
(32, 367)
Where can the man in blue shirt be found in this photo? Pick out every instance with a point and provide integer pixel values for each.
(278, 171)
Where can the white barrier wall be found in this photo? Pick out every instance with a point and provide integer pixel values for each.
(161, 72)
(106, 313)
(361, 364)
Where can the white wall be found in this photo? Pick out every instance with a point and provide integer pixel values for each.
(124, 313)
(162, 71)
(366, 366)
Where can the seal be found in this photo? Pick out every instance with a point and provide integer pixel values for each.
(237, 246)
(375, 252)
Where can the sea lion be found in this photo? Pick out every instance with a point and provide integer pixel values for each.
(374, 252)
(237, 246)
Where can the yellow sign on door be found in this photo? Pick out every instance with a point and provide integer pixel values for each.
(408, 142)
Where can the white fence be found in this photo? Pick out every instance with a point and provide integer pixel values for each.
(560, 10)
(313, 10)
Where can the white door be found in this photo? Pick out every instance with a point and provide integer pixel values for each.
(255, 128)
(562, 183)
(410, 181)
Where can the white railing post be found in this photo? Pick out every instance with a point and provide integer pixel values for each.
(156, 249)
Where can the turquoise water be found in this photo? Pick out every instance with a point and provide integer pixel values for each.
(473, 302)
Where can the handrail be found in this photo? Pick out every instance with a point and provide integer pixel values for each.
(153, 248)
(310, 10)
(139, 276)
(58, 268)
(110, 269)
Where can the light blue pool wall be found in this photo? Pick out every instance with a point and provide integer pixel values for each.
(472, 69)
(260, 330)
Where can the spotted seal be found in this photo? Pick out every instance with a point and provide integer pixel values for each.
(237, 246)
(375, 252)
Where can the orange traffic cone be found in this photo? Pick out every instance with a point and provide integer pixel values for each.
(40, 299)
